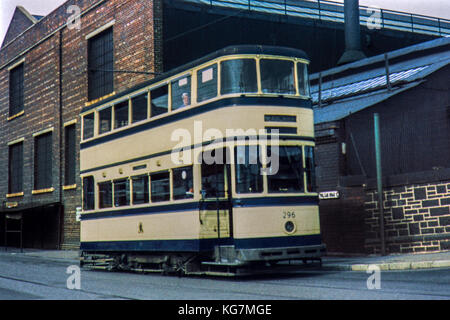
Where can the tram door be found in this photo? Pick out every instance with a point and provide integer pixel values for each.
(215, 206)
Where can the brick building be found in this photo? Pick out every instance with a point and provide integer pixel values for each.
(414, 111)
(50, 67)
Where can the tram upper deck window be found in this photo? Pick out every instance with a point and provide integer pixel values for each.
(181, 92)
(121, 115)
(88, 126)
(160, 186)
(289, 177)
(238, 76)
(207, 83)
(104, 120)
(277, 76)
(160, 100)
(303, 79)
(248, 170)
(139, 108)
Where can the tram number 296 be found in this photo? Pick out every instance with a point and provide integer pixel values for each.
(288, 214)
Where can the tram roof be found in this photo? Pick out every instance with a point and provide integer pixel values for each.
(227, 51)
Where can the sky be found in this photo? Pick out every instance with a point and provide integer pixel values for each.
(435, 8)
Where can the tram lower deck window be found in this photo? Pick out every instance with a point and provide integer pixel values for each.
(140, 189)
(88, 193)
(105, 195)
(183, 183)
(160, 186)
(310, 169)
(121, 193)
(289, 176)
(248, 170)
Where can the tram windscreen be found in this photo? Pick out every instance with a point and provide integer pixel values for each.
(289, 177)
(238, 76)
(277, 76)
(248, 170)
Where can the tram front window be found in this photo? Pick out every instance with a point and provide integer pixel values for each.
(248, 170)
(277, 76)
(289, 177)
(238, 76)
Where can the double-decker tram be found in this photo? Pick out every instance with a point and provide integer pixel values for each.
(207, 169)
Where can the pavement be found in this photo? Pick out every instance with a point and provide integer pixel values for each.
(330, 262)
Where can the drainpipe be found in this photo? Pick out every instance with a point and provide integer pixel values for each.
(353, 50)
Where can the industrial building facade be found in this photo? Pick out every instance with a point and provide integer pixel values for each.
(51, 67)
(414, 112)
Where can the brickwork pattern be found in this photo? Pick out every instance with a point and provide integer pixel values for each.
(45, 94)
(417, 219)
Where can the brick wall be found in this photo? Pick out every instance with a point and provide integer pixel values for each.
(134, 50)
(417, 218)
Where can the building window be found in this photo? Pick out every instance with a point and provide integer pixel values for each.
(16, 90)
(70, 155)
(15, 181)
(88, 193)
(100, 65)
(43, 155)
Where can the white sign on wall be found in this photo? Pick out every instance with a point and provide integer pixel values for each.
(329, 195)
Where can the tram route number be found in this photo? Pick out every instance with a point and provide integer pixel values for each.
(288, 214)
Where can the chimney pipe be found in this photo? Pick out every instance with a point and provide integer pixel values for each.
(353, 50)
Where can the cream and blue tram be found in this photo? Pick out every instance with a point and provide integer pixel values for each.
(206, 168)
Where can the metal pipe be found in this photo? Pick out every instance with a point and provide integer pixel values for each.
(352, 28)
(388, 77)
(379, 182)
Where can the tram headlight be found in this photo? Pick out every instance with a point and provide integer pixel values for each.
(289, 226)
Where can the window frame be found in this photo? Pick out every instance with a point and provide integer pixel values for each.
(16, 95)
(107, 84)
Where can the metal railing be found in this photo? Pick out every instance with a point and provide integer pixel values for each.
(334, 11)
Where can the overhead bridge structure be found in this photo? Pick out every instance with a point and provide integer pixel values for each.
(197, 27)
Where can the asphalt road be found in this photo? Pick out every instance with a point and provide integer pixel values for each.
(25, 277)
